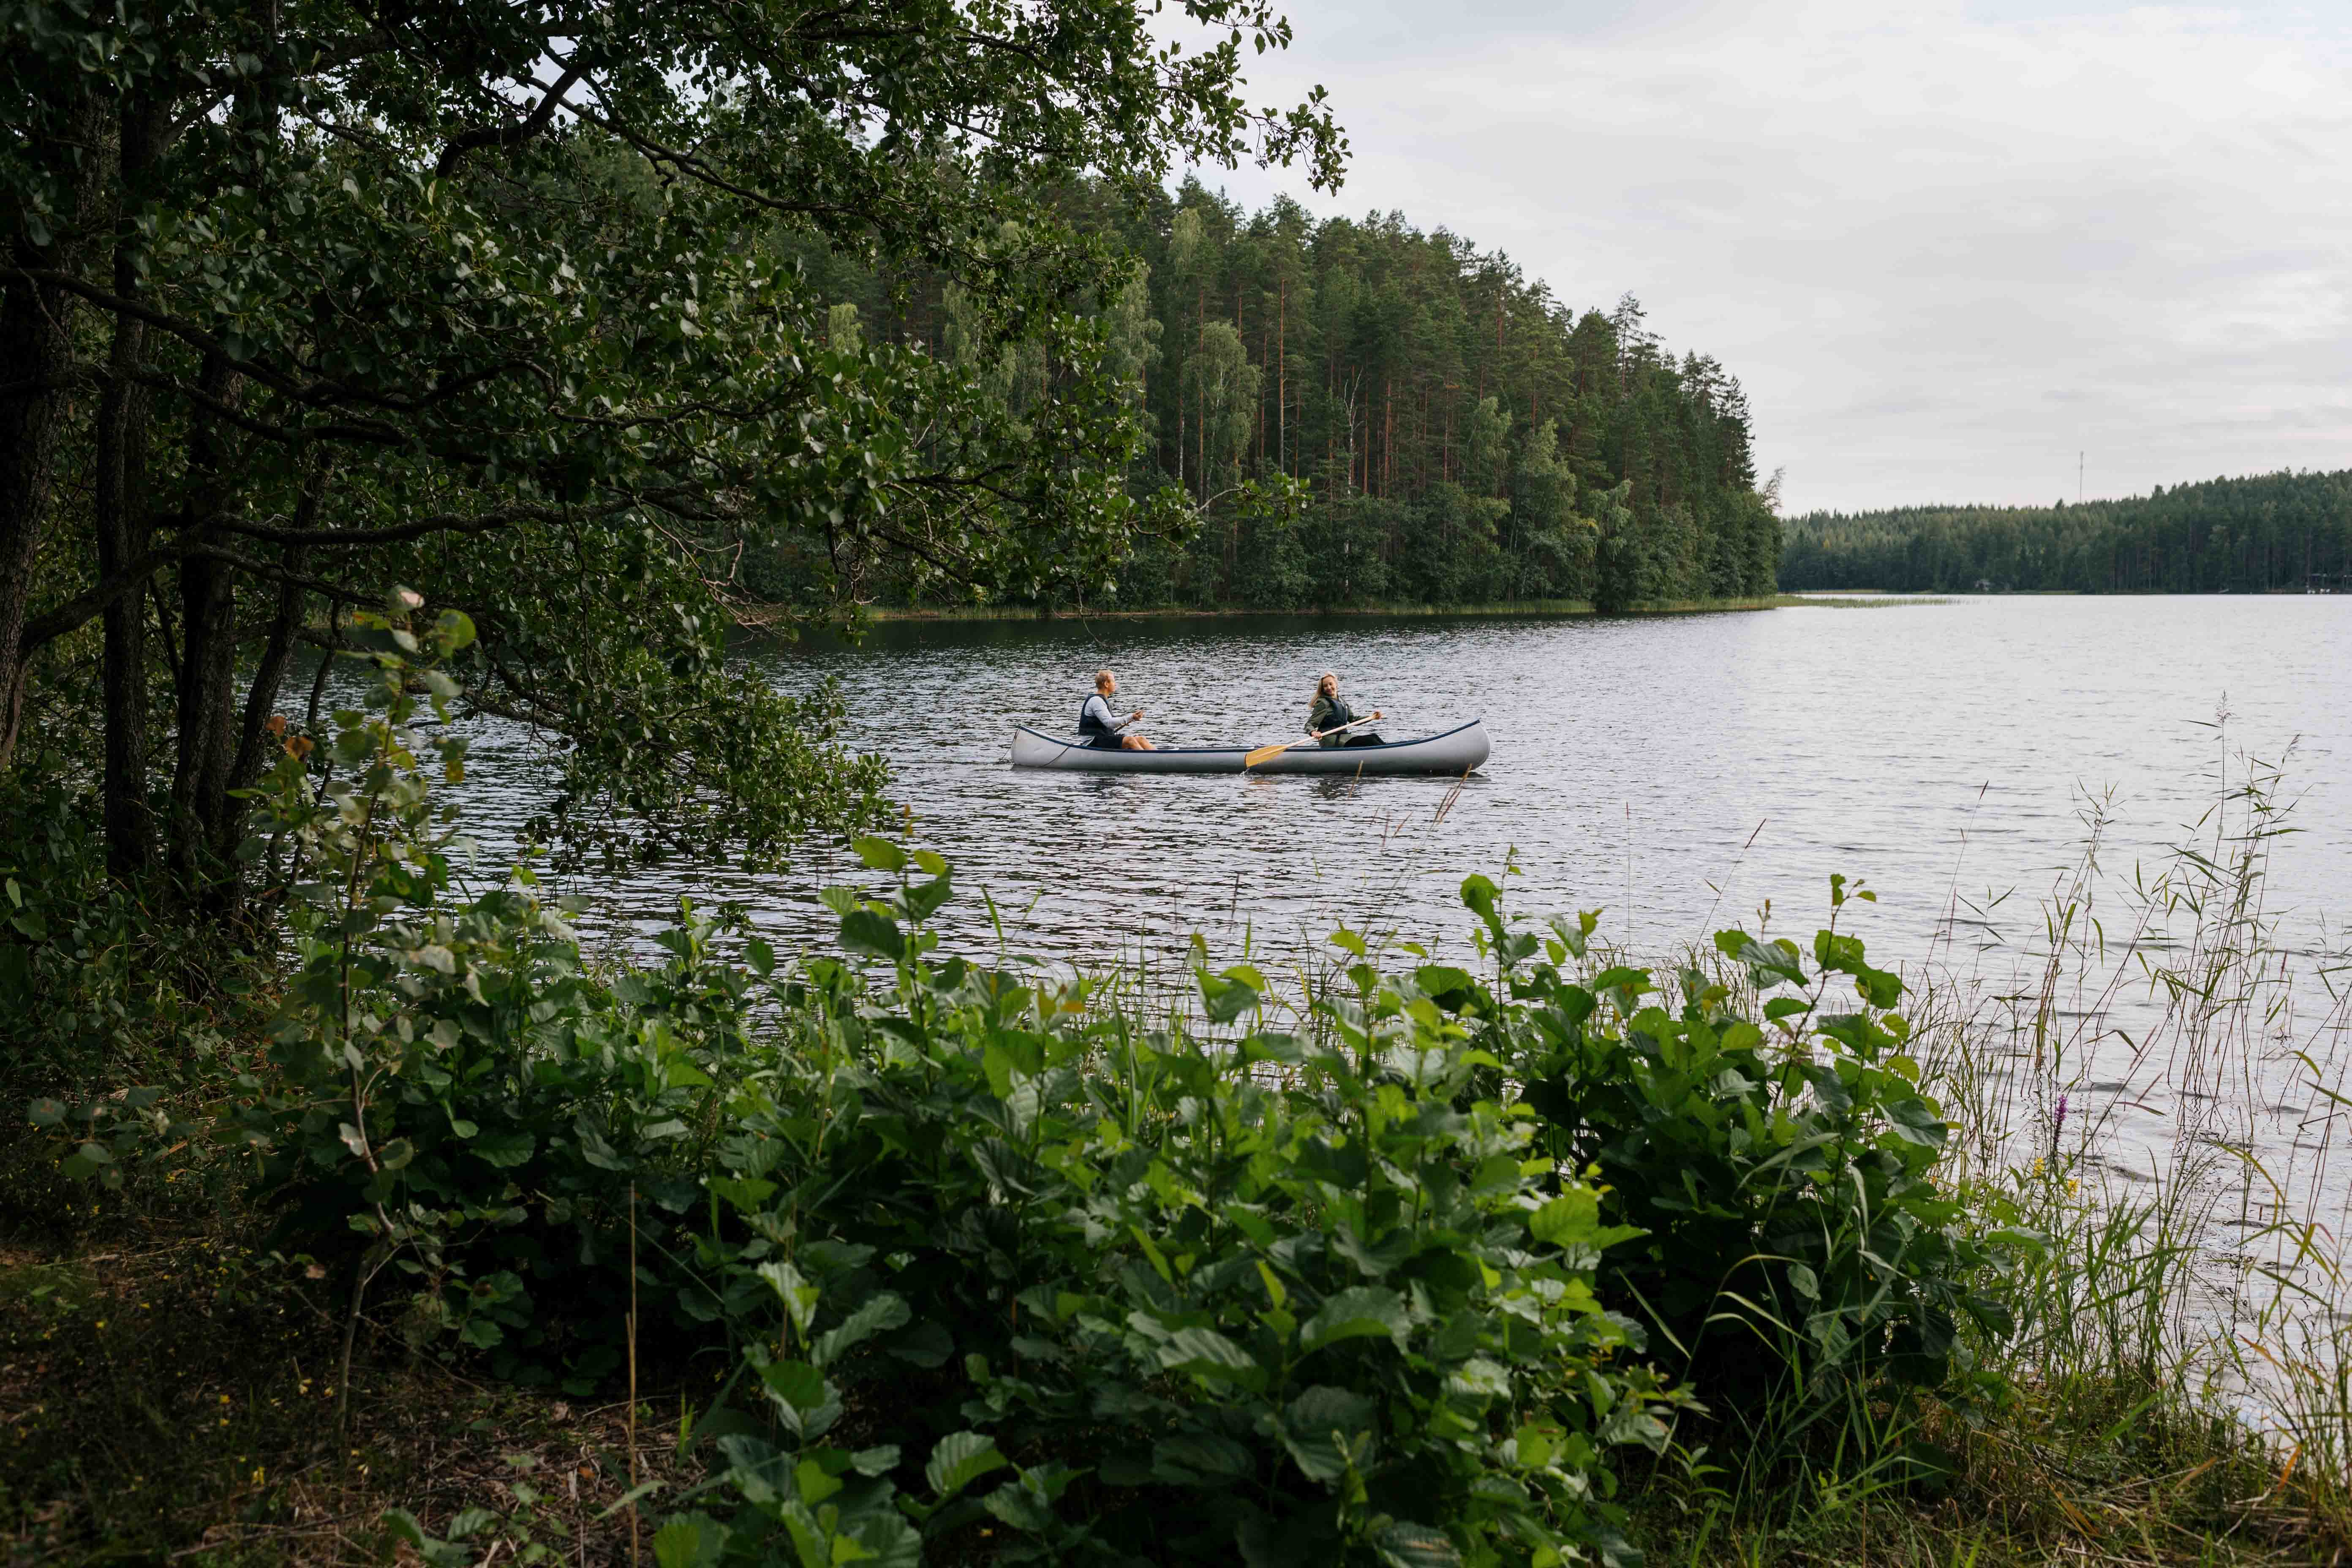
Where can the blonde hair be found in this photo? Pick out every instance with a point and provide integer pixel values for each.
(1329, 679)
(1102, 678)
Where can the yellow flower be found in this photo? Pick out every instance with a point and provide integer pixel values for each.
(257, 1476)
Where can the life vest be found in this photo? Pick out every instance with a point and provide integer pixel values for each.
(1091, 726)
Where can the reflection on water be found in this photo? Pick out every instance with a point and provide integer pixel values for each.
(1680, 773)
(1673, 771)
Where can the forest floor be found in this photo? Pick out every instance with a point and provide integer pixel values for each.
(169, 1392)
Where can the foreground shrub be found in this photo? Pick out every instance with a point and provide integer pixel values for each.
(1243, 1293)
(998, 1271)
(1769, 1140)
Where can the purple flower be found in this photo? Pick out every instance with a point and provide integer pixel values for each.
(2059, 1125)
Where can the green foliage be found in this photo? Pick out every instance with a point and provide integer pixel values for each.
(987, 1255)
(1450, 415)
(1248, 1294)
(2254, 534)
(1779, 1159)
(510, 306)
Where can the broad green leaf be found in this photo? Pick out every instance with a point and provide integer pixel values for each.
(879, 854)
(876, 1314)
(1199, 1459)
(797, 1294)
(796, 1383)
(504, 1149)
(1209, 1353)
(959, 1459)
(863, 931)
(1407, 1545)
(1363, 1312)
(1326, 1430)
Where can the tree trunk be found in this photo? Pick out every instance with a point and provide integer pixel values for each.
(119, 507)
(35, 345)
(207, 674)
(285, 626)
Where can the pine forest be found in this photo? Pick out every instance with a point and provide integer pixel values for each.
(1356, 412)
(2262, 534)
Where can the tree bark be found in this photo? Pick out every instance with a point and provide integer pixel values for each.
(207, 673)
(125, 527)
(37, 347)
(285, 626)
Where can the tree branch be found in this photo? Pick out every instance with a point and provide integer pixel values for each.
(510, 135)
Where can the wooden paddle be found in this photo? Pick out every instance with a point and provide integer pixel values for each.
(1267, 753)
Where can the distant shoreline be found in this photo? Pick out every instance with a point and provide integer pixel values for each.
(1549, 608)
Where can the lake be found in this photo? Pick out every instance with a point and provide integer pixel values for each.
(1675, 771)
(1681, 774)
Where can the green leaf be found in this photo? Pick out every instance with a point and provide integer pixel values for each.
(796, 1383)
(924, 899)
(879, 854)
(1226, 996)
(961, 1458)
(1571, 1219)
(876, 1314)
(863, 931)
(689, 1541)
(1408, 1545)
(1199, 1459)
(45, 1112)
(1208, 1353)
(798, 1295)
(505, 1150)
(1363, 1312)
(1326, 1430)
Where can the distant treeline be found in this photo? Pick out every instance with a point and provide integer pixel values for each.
(2263, 533)
(1357, 411)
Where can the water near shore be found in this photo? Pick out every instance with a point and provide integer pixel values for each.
(1677, 772)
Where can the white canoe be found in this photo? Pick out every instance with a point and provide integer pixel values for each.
(1458, 750)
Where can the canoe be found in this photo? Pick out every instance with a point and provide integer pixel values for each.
(1457, 752)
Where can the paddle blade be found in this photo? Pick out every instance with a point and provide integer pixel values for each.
(1265, 754)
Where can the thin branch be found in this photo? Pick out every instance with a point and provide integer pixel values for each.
(510, 135)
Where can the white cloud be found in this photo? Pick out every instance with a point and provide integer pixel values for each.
(1945, 244)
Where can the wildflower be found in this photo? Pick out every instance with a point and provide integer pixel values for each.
(257, 1475)
(2059, 1125)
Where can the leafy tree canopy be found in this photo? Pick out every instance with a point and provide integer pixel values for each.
(502, 301)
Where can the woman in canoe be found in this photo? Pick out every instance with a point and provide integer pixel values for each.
(1329, 718)
(1099, 729)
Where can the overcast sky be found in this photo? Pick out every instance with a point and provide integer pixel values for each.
(1946, 244)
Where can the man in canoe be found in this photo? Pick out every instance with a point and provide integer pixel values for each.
(1329, 718)
(1099, 729)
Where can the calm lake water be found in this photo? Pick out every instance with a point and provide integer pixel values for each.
(1674, 771)
(1680, 773)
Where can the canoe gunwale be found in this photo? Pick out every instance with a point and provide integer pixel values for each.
(1389, 757)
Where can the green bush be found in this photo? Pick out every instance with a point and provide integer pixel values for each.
(997, 1271)
(1239, 1294)
(1777, 1155)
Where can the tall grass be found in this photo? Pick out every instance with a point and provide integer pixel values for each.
(2157, 1089)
